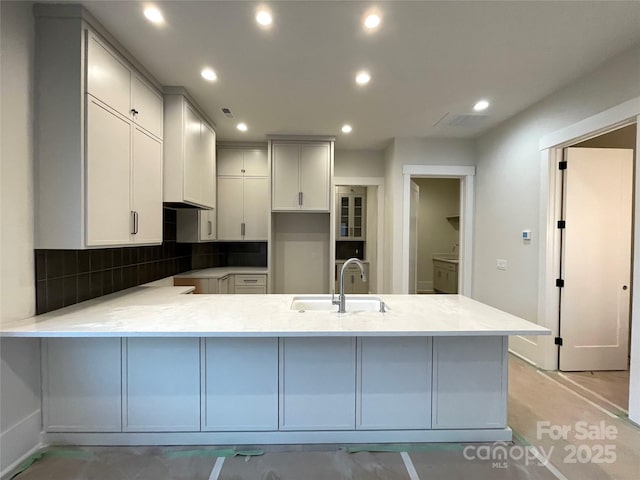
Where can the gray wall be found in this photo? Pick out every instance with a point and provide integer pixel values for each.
(508, 182)
(20, 358)
(359, 163)
(412, 151)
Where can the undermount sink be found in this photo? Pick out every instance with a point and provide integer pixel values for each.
(323, 303)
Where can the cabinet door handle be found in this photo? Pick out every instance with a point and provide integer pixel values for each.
(134, 111)
(210, 227)
(242, 229)
(134, 218)
(253, 280)
(299, 198)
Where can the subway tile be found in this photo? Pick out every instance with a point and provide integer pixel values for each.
(70, 290)
(107, 258)
(55, 293)
(96, 284)
(84, 287)
(129, 276)
(117, 279)
(41, 297)
(84, 261)
(96, 260)
(55, 265)
(69, 262)
(116, 256)
(41, 265)
(107, 282)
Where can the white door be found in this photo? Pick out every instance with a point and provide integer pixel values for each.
(256, 208)
(286, 177)
(108, 176)
(192, 156)
(413, 237)
(147, 187)
(230, 162)
(147, 105)
(594, 306)
(230, 208)
(207, 224)
(255, 163)
(314, 177)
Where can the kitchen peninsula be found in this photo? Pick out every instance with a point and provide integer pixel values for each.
(150, 365)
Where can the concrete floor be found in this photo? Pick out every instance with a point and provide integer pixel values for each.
(535, 397)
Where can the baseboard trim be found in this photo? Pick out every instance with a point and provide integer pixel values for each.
(275, 438)
(20, 441)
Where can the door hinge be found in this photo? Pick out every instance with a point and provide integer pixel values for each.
(562, 224)
(558, 341)
(562, 165)
(559, 282)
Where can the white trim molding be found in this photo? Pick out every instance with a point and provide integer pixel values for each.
(466, 174)
(365, 182)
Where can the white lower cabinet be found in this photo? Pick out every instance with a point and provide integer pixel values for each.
(469, 382)
(394, 383)
(240, 384)
(250, 284)
(317, 383)
(81, 384)
(161, 385)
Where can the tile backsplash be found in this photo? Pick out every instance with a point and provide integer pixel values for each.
(65, 277)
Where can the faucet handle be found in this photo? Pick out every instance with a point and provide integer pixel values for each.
(333, 298)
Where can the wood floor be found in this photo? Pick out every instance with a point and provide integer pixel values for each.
(548, 412)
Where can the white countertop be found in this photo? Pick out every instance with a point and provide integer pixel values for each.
(220, 272)
(167, 312)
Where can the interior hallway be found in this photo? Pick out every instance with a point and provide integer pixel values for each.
(534, 396)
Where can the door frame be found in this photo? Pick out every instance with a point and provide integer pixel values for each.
(541, 350)
(364, 182)
(466, 175)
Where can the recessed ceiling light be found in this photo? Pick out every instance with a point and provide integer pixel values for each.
(264, 18)
(481, 105)
(242, 127)
(154, 15)
(363, 77)
(346, 129)
(209, 74)
(372, 21)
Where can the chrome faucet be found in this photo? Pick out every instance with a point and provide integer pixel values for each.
(341, 299)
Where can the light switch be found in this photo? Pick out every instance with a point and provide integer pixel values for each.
(501, 263)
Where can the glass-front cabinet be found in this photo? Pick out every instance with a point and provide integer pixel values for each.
(351, 216)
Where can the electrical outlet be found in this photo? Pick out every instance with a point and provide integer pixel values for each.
(501, 264)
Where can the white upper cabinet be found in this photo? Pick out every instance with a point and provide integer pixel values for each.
(111, 81)
(146, 106)
(98, 168)
(243, 194)
(108, 78)
(301, 176)
(195, 225)
(189, 155)
(147, 187)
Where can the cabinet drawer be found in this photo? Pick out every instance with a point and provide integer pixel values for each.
(450, 267)
(250, 280)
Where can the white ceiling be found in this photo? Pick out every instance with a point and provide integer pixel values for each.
(426, 60)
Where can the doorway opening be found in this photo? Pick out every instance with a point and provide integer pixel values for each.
(464, 175)
(437, 235)
(357, 231)
(596, 262)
